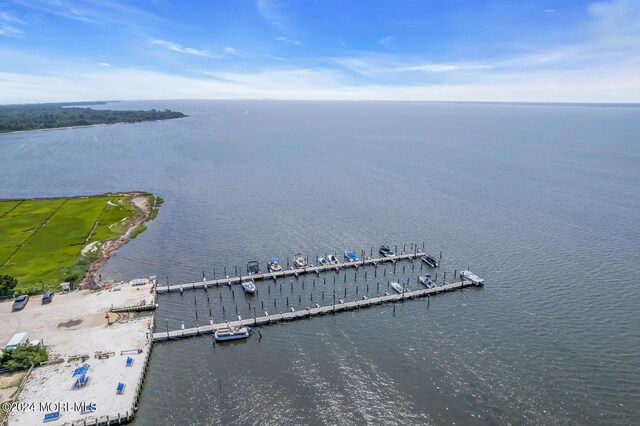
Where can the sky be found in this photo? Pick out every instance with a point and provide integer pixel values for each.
(407, 50)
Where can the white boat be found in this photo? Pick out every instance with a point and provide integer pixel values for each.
(332, 259)
(232, 333)
(397, 287)
(322, 261)
(299, 261)
(273, 264)
(425, 280)
(248, 286)
(470, 276)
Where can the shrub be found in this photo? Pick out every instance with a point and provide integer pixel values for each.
(22, 357)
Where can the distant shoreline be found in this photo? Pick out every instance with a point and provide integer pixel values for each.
(57, 128)
(85, 126)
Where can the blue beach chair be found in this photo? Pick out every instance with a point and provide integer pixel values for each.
(120, 388)
(49, 417)
(129, 361)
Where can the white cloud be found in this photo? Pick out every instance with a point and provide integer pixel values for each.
(287, 41)
(105, 64)
(8, 24)
(271, 11)
(387, 41)
(444, 67)
(603, 67)
(179, 48)
(77, 83)
(549, 11)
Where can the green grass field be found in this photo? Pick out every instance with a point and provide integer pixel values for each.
(42, 239)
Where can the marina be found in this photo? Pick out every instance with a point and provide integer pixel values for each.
(276, 270)
(292, 315)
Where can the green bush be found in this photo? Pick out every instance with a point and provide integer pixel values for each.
(7, 284)
(22, 357)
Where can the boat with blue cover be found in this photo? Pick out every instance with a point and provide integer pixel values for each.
(273, 264)
(351, 256)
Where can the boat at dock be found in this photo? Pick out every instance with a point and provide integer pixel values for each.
(397, 287)
(253, 268)
(470, 276)
(322, 261)
(385, 251)
(425, 280)
(299, 260)
(430, 261)
(232, 333)
(273, 264)
(332, 259)
(248, 286)
(351, 256)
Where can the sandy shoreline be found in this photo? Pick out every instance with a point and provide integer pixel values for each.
(56, 128)
(141, 201)
(13, 132)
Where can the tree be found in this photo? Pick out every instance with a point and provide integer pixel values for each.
(7, 284)
(22, 357)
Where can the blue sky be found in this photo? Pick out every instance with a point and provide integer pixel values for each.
(498, 50)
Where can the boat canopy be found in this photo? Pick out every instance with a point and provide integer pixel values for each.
(297, 255)
(273, 259)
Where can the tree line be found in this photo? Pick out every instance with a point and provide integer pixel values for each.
(49, 116)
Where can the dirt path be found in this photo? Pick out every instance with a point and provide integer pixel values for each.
(141, 201)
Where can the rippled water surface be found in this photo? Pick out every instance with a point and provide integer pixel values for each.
(541, 201)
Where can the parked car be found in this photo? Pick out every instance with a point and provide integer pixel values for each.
(47, 297)
(20, 302)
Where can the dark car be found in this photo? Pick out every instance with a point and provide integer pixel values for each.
(47, 297)
(20, 302)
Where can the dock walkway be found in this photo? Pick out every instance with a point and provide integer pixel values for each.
(310, 312)
(287, 272)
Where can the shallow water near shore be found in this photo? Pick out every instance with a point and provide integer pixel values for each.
(542, 201)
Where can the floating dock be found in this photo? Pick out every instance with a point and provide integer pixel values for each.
(288, 272)
(161, 336)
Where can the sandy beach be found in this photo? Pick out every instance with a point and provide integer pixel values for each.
(72, 326)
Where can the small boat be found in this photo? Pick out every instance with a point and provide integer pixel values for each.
(253, 268)
(432, 262)
(470, 276)
(232, 333)
(425, 280)
(332, 259)
(351, 256)
(385, 251)
(248, 286)
(273, 264)
(322, 261)
(299, 261)
(397, 287)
